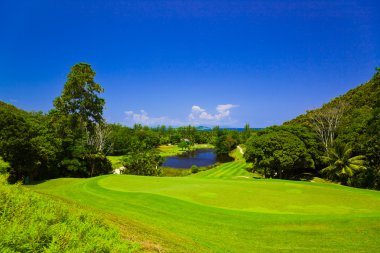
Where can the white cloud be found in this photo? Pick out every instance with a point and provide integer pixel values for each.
(198, 116)
(144, 119)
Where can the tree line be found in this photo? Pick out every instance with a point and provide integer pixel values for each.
(73, 139)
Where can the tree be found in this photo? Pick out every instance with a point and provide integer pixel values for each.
(278, 154)
(79, 99)
(341, 164)
(184, 145)
(142, 162)
(15, 144)
(97, 164)
(226, 142)
(246, 133)
(325, 122)
(100, 141)
(78, 120)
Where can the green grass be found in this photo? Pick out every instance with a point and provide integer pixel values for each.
(237, 155)
(30, 222)
(173, 172)
(213, 211)
(116, 161)
(231, 170)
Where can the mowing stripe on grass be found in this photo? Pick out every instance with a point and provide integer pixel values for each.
(226, 171)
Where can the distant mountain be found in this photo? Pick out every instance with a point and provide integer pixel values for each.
(203, 128)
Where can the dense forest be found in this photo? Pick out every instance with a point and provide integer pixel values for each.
(340, 141)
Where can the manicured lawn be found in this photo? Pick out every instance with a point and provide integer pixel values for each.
(231, 170)
(203, 213)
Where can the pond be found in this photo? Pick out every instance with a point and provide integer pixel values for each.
(200, 157)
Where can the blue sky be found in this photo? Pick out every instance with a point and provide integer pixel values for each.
(201, 62)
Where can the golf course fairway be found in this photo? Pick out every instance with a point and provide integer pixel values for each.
(200, 213)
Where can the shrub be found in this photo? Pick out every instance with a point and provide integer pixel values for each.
(30, 222)
(194, 169)
(4, 166)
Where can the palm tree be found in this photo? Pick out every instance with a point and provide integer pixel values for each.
(341, 164)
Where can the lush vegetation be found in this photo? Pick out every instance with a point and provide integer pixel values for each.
(204, 213)
(68, 141)
(357, 114)
(30, 222)
(277, 152)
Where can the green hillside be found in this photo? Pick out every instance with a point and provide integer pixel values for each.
(192, 214)
(360, 100)
(358, 128)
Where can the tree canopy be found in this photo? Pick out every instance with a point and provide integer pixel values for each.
(278, 154)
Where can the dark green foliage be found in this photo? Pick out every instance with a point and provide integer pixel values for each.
(194, 169)
(97, 164)
(77, 116)
(27, 142)
(341, 164)
(359, 128)
(278, 153)
(225, 141)
(306, 135)
(79, 100)
(142, 162)
(30, 222)
(183, 145)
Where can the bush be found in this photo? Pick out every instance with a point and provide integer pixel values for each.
(30, 222)
(194, 169)
(4, 166)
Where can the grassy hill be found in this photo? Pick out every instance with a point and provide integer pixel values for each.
(203, 213)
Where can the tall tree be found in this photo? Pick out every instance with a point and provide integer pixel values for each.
(78, 116)
(79, 99)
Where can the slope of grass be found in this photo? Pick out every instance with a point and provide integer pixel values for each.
(30, 222)
(231, 170)
(116, 161)
(191, 214)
